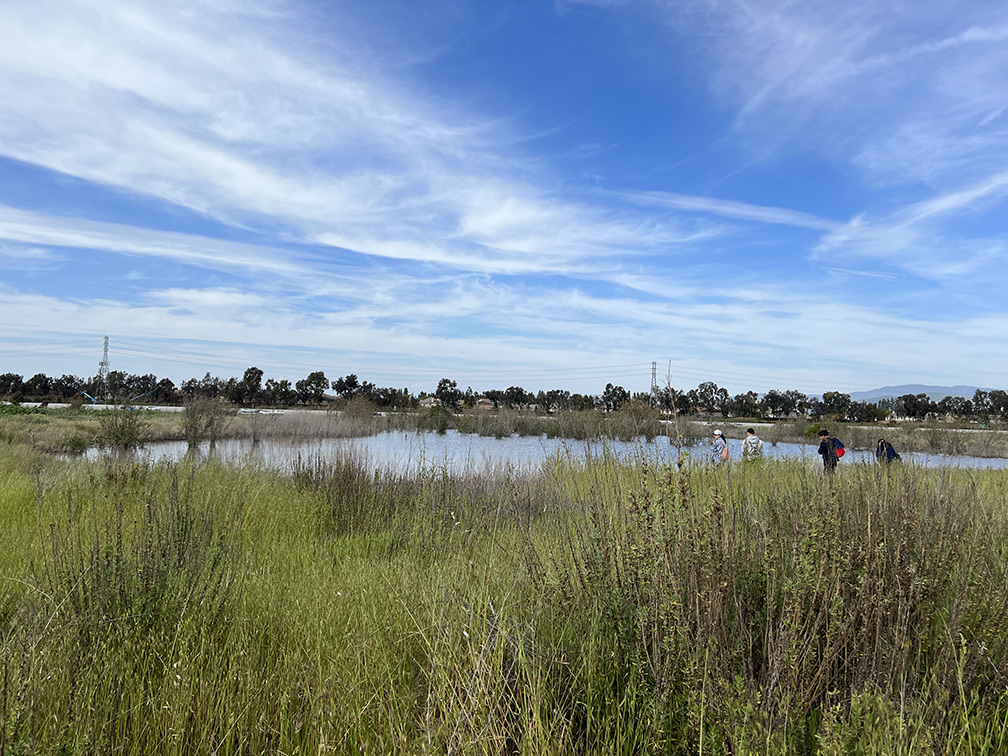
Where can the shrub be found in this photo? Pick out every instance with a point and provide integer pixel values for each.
(76, 444)
(205, 420)
(121, 429)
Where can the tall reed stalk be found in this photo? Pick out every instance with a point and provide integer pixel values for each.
(588, 607)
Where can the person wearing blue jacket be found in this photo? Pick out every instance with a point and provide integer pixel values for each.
(884, 452)
(828, 452)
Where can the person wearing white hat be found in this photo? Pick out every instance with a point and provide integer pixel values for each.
(719, 448)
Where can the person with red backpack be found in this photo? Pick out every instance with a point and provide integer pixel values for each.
(830, 449)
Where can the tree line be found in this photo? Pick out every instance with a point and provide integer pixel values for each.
(707, 399)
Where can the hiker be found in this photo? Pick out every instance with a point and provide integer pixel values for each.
(828, 451)
(885, 453)
(752, 447)
(719, 448)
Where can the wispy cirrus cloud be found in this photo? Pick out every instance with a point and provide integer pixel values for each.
(901, 101)
(915, 237)
(143, 96)
(730, 209)
(389, 214)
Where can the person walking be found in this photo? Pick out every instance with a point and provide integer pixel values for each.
(885, 453)
(752, 446)
(828, 452)
(719, 448)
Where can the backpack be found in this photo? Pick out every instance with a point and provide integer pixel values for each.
(838, 445)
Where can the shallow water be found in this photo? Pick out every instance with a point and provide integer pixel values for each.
(461, 453)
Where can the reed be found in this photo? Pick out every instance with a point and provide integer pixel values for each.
(588, 606)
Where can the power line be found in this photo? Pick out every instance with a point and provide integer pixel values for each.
(190, 356)
(678, 372)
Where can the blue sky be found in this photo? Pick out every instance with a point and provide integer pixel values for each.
(764, 194)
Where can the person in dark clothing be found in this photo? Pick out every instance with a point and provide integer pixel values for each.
(884, 452)
(827, 450)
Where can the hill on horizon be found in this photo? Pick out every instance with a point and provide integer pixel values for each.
(935, 393)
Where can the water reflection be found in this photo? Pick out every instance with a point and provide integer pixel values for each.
(460, 453)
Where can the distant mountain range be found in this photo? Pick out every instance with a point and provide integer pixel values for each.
(935, 393)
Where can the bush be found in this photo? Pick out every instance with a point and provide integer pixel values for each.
(205, 420)
(76, 444)
(121, 429)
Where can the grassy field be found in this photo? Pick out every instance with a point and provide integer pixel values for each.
(590, 608)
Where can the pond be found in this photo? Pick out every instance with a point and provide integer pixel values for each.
(461, 453)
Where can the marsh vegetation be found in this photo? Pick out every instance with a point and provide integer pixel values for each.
(587, 607)
(204, 421)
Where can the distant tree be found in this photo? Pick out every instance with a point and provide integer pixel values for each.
(367, 390)
(916, 406)
(705, 396)
(614, 397)
(644, 398)
(664, 398)
(955, 406)
(745, 405)
(836, 403)
(209, 386)
(516, 397)
(279, 392)
(582, 402)
(797, 402)
(887, 403)
(67, 386)
(135, 386)
(999, 403)
(712, 398)
(448, 393)
(393, 397)
(683, 401)
(774, 404)
(38, 386)
(866, 412)
(232, 390)
(981, 404)
(558, 399)
(165, 392)
(311, 389)
(816, 408)
(10, 383)
(189, 389)
(117, 385)
(346, 387)
(251, 386)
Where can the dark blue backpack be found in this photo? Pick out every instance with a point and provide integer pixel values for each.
(838, 444)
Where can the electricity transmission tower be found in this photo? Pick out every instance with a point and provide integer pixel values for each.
(103, 373)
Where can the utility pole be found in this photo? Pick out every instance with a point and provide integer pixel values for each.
(103, 373)
(654, 383)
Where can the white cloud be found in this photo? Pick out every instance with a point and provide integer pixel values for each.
(730, 209)
(189, 249)
(902, 91)
(914, 238)
(145, 97)
(462, 246)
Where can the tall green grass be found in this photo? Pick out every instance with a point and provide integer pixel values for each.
(590, 607)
